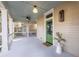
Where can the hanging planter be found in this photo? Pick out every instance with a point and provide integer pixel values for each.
(60, 41)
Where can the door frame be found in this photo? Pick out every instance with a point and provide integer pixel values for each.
(48, 12)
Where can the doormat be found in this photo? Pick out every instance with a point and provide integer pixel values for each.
(47, 44)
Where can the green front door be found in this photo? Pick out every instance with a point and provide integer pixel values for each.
(49, 38)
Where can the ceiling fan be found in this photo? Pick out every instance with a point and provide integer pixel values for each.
(28, 18)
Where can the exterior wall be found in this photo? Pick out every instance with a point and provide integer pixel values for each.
(40, 28)
(70, 27)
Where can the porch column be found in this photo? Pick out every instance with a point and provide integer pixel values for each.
(27, 29)
(10, 29)
(4, 30)
(13, 30)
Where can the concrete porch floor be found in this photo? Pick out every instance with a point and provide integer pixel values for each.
(31, 47)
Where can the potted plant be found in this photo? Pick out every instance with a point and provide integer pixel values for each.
(60, 43)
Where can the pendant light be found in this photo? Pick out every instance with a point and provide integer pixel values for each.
(35, 10)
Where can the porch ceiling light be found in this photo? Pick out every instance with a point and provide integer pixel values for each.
(35, 10)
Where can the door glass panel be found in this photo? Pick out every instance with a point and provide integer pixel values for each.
(49, 38)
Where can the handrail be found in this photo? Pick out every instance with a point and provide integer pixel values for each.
(14, 33)
(24, 32)
(10, 34)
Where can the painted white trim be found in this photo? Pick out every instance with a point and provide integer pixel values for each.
(50, 11)
(53, 26)
(44, 29)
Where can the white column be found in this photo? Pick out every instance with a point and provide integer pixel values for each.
(10, 29)
(13, 29)
(4, 31)
(10, 25)
(27, 29)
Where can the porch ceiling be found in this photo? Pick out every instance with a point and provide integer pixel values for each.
(20, 9)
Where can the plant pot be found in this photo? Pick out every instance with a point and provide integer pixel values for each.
(58, 48)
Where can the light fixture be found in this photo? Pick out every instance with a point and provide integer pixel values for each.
(35, 10)
(28, 18)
